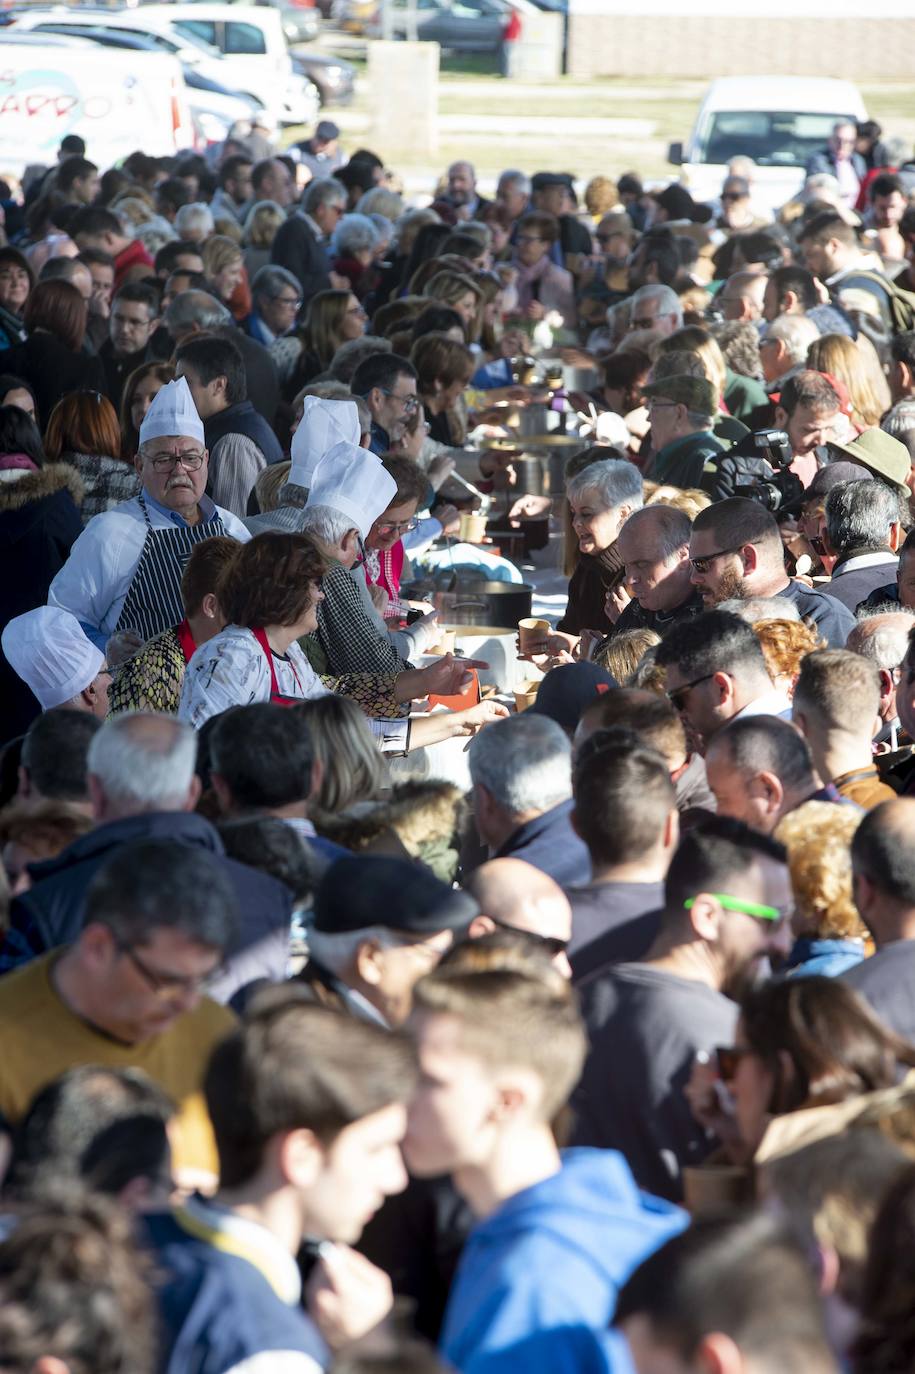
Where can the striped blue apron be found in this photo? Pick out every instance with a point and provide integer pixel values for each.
(153, 601)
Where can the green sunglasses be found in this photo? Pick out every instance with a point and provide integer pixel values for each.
(762, 913)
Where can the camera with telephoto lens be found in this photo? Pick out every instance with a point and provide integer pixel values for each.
(766, 475)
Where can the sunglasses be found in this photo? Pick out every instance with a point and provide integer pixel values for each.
(755, 909)
(702, 565)
(551, 945)
(677, 699)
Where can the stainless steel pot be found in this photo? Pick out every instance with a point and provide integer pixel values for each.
(500, 604)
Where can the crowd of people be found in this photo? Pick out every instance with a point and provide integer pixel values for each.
(359, 1018)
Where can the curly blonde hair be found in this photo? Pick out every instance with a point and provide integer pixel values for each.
(688, 499)
(818, 838)
(785, 643)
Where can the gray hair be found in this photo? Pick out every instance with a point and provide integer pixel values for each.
(326, 524)
(757, 608)
(383, 226)
(614, 481)
(884, 644)
(325, 191)
(337, 950)
(796, 333)
(524, 762)
(354, 234)
(519, 180)
(380, 201)
(195, 216)
(144, 762)
(155, 234)
(859, 515)
(899, 421)
(270, 280)
(353, 352)
(191, 308)
(663, 529)
(669, 302)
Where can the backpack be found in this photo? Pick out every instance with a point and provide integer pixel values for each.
(901, 303)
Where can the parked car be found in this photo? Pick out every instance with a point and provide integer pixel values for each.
(457, 25)
(256, 58)
(778, 121)
(301, 18)
(334, 78)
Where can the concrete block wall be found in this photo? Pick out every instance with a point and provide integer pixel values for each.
(729, 45)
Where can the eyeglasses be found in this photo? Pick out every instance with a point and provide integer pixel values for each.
(702, 565)
(647, 323)
(400, 527)
(165, 985)
(409, 403)
(732, 195)
(294, 301)
(755, 909)
(728, 1058)
(167, 462)
(552, 945)
(677, 697)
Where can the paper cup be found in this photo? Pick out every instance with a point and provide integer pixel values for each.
(525, 695)
(473, 527)
(531, 631)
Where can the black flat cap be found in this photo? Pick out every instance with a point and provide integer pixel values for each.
(373, 890)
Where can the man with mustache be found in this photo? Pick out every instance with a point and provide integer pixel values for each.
(124, 571)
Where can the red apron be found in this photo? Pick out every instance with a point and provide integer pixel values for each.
(275, 695)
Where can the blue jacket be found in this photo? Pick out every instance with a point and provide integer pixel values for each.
(550, 844)
(823, 958)
(553, 1256)
(218, 1301)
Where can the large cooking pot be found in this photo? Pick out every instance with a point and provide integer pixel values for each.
(501, 604)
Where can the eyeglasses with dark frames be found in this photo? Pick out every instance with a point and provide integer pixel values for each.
(677, 697)
(702, 565)
(167, 462)
(166, 985)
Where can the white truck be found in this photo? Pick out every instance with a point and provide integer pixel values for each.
(50, 87)
(778, 121)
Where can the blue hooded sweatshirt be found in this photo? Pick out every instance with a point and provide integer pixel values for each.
(554, 1255)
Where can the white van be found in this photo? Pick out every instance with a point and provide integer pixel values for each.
(255, 55)
(52, 86)
(778, 121)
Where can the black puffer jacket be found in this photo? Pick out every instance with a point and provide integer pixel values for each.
(39, 522)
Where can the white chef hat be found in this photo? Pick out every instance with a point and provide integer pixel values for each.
(50, 652)
(323, 424)
(172, 413)
(352, 481)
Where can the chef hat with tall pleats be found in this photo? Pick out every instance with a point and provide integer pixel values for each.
(352, 481)
(323, 424)
(172, 414)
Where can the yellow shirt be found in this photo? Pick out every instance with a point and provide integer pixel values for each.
(40, 1038)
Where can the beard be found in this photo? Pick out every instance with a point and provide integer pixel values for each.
(730, 587)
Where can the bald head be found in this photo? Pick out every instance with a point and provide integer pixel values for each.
(514, 895)
(741, 297)
(883, 863)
